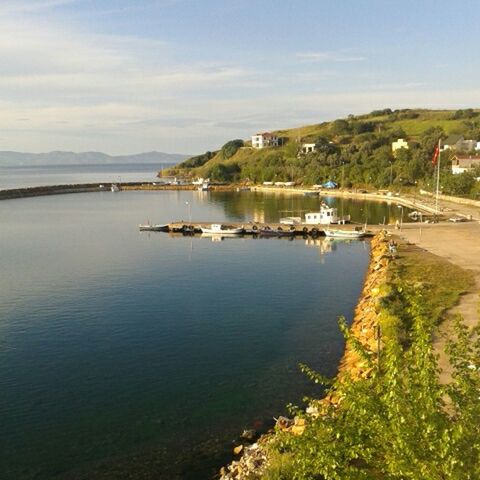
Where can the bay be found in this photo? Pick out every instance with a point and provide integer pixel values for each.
(127, 354)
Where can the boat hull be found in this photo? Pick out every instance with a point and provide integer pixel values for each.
(344, 234)
(153, 228)
(222, 230)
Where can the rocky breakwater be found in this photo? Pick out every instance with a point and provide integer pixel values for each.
(364, 329)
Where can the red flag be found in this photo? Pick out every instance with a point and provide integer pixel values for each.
(436, 153)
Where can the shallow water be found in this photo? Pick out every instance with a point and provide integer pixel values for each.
(127, 354)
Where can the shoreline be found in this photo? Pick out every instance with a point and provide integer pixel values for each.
(413, 203)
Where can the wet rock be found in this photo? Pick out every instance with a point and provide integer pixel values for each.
(284, 423)
(237, 450)
(249, 435)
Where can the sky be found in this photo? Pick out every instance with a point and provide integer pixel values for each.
(186, 76)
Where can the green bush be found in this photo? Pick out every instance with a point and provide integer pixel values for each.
(399, 423)
(231, 148)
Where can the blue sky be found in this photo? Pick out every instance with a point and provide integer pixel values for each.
(188, 75)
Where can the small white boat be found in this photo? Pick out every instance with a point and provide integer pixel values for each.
(147, 227)
(291, 220)
(114, 187)
(345, 233)
(218, 228)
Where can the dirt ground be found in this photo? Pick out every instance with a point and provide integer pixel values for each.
(460, 244)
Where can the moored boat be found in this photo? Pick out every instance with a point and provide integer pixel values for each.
(219, 228)
(147, 227)
(325, 216)
(345, 233)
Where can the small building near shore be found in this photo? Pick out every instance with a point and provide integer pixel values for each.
(464, 163)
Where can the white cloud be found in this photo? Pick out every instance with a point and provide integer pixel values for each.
(23, 6)
(317, 57)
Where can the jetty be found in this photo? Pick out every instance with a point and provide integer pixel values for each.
(281, 229)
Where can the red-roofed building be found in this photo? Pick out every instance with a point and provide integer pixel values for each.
(262, 140)
(464, 163)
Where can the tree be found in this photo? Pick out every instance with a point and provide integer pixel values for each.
(340, 127)
(231, 148)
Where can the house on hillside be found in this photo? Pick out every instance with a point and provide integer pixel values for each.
(400, 143)
(262, 140)
(309, 148)
(459, 144)
(464, 163)
(452, 142)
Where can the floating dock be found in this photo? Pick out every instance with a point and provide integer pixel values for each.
(281, 229)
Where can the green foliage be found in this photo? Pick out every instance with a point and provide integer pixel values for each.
(354, 152)
(340, 127)
(231, 148)
(459, 184)
(197, 161)
(221, 172)
(394, 425)
(467, 113)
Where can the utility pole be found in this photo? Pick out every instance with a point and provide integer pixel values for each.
(438, 179)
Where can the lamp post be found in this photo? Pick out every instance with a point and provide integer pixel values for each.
(189, 212)
(401, 218)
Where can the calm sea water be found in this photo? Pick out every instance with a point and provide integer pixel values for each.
(127, 354)
(19, 177)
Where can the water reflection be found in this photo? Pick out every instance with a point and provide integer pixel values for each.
(269, 207)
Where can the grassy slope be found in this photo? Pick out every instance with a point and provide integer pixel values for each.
(413, 128)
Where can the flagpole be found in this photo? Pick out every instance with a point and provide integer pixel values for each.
(438, 178)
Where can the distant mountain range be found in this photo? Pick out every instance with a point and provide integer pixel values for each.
(10, 159)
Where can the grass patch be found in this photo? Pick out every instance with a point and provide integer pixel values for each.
(442, 282)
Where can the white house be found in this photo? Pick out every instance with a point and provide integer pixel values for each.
(464, 163)
(400, 143)
(262, 140)
(309, 148)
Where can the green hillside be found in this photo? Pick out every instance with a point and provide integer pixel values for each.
(354, 151)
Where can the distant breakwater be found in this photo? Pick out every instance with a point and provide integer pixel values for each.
(95, 187)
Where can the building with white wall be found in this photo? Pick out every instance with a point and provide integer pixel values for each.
(400, 143)
(262, 140)
(309, 148)
(464, 163)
